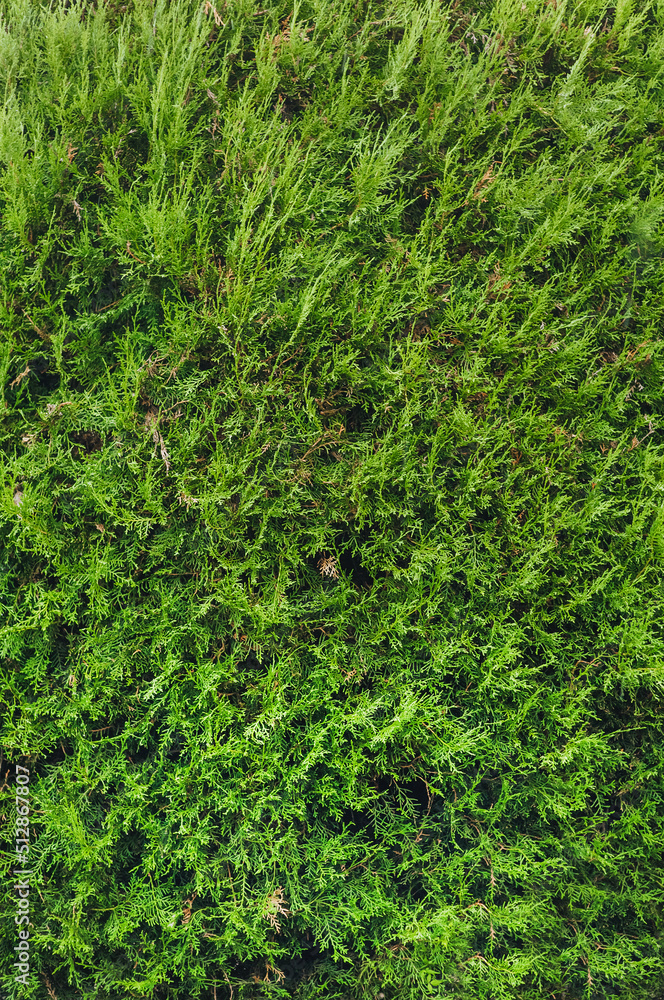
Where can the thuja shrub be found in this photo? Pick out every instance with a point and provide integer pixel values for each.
(331, 512)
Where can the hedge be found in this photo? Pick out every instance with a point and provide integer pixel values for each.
(331, 514)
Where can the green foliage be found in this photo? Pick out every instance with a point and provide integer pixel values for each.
(331, 501)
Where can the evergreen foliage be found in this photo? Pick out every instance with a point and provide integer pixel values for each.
(331, 515)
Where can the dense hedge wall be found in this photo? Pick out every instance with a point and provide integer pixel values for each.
(331, 511)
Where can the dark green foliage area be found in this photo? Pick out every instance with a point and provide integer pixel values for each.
(331, 515)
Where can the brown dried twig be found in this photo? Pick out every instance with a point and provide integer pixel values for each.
(19, 378)
(49, 987)
(275, 904)
(327, 566)
(152, 421)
